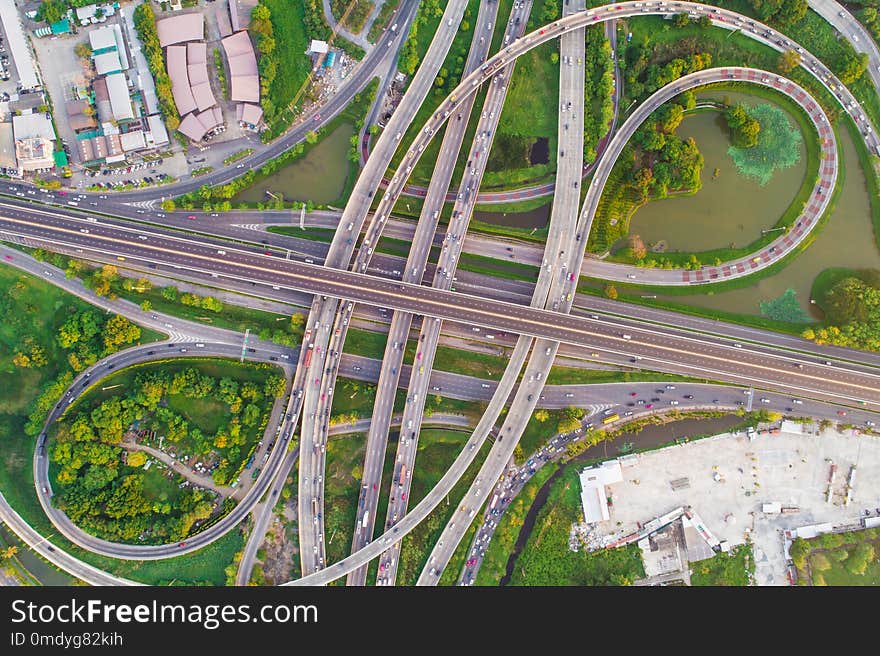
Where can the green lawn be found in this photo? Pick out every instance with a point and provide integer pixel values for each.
(293, 65)
(727, 569)
(546, 559)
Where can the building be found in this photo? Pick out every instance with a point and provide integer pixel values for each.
(330, 59)
(35, 154)
(244, 77)
(132, 141)
(240, 13)
(18, 46)
(8, 163)
(593, 496)
(157, 133)
(142, 78)
(77, 117)
(102, 100)
(248, 115)
(102, 40)
(120, 98)
(180, 29)
(33, 126)
(107, 63)
(318, 48)
(197, 71)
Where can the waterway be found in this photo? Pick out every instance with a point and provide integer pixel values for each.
(536, 218)
(318, 176)
(729, 210)
(847, 240)
(649, 437)
(39, 568)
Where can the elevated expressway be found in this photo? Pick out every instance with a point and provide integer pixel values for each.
(413, 271)
(561, 228)
(351, 287)
(324, 359)
(560, 26)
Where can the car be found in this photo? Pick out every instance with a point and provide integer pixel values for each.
(688, 396)
(633, 393)
(317, 117)
(182, 544)
(191, 217)
(649, 406)
(841, 413)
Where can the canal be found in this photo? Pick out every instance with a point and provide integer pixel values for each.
(319, 176)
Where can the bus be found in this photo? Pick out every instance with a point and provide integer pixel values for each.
(494, 502)
(610, 418)
(365, 519)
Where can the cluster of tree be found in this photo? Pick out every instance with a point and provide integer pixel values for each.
(780, 12)
(145, 24)
(744, 128)
(852, 313)
(30, 354)
(871, 18)
(598, 90)
(204, 302)
(570, 420)
(647, 69)
(99, 485)
(51, 11)
(409, 52)
(264, 34)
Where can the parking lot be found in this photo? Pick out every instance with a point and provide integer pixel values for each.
(726, 479)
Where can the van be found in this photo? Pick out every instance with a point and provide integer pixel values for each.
(350, 226)
(409, 424)
(221, 252)
(625, 336)
(484, 385)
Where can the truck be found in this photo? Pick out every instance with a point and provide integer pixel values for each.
(610, 418)
(365, 519)
(494, 502)
(308, 358)
(402, 475)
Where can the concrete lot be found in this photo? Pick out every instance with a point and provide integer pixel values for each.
(790, 468)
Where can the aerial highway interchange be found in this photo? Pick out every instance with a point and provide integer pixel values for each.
(547, 316)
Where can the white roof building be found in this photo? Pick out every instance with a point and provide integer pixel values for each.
(120, 99)
(18, 45)
(102, 38)
(593, 497)
(158, 134)
(107, 62)
(318, 47)
(33, 126)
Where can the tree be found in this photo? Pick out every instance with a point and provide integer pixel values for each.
(610, 291)
(311, 137)
(51, 11)
(788, 61)
(704, 21)
(83, 50)
(681, 20)
(21, 360)
(9, 552)
(542, 415)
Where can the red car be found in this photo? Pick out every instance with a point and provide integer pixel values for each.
(374, 486)
(649, 406)
(841, 413)
(472, 562)
(633, 393)
(62, 193)
(192, 217)
(8, 257)
(182, 544)
(316, 117)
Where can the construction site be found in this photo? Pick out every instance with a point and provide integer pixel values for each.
(687, 502)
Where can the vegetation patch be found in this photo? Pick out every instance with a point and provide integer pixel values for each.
(784, 308)
(107, 486)
(736, 568)
(839, 559)
(547, 560)
(851, 302)
(777, 144)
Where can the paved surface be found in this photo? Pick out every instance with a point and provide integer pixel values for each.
(790, 468)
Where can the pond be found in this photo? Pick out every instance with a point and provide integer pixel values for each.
(319, 176)
(847, 240)
(536, 218)
(729, 210)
